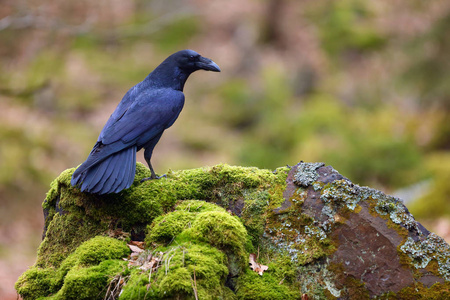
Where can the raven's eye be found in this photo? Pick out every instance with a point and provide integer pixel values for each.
(192, 58)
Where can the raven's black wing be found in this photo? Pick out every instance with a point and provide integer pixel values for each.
(146, 117)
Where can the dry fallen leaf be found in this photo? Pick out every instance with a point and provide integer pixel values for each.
(135, 249)
(137, 243)
(147, 265)
(144, 260)
(258, 268)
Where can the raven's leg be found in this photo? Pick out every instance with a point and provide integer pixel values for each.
(148, 155)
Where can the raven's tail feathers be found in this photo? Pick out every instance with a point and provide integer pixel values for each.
(111, 175)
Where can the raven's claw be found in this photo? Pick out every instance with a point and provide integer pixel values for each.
(150, 178)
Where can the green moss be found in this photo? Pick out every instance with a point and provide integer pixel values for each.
(253, 216)
(196, 206)
(36, 282)
(219, 229)
(253, 286)
(136, 286)
(94, 251)
(212, 226)
(82, 275)
(64, 234)
(177, 283)
(90, 282)
(176, 279)
(165, 228)
(282, 268)
(198, 238)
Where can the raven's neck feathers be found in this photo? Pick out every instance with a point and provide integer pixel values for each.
(168, 75)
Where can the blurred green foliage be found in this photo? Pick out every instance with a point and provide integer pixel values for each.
(434, 203)
(348, 26)
(378, 128)
(428, 70)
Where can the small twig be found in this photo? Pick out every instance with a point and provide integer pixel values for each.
(194, 286)
(114, 287)
(257, 256)
(167, 261)
(150, 278)
(195, 280)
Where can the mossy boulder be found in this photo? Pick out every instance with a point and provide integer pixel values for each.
(318, 233)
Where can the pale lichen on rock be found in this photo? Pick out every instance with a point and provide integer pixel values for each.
(424, 250)
(306, 173)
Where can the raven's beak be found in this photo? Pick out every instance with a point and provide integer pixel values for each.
(208, 65)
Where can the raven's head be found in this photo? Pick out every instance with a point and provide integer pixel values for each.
(190, 61)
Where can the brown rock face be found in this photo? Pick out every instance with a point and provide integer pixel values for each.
(368, 251)
(354, 242)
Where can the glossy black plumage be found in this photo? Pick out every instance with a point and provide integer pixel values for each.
(146, 110)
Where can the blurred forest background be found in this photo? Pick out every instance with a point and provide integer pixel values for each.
(363, 86)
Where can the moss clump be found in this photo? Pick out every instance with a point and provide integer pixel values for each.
(93, 252)
(219, 229)
(82, 275)
(36, 283)
(253, 286)
(195, 206)
(89, 282)
(211, 226)
(165, 228)
(186, 267)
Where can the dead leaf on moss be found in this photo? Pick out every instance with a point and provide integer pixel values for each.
(258, 268)
(137, 243)
(143, 259)
(151, 263)
(135, 249)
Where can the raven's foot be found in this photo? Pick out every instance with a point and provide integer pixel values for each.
(156, 177)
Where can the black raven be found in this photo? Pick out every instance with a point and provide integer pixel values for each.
(146, 110)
